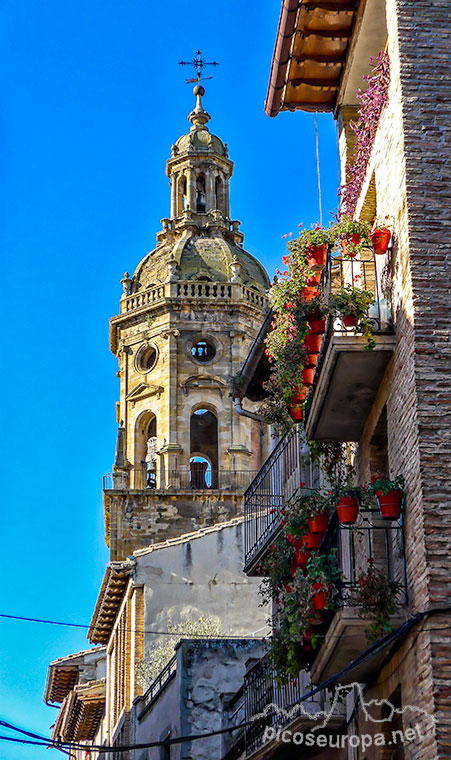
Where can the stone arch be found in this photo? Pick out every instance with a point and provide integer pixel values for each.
(201, 194)
(146, 427)
(181, 194)
(204, 445)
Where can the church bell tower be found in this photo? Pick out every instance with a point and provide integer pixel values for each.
(187, 318)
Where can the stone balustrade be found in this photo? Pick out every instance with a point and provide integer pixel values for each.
(193, 289)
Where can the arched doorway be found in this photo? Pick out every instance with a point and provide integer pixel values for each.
(203, 449)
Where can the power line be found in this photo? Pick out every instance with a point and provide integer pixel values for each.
(368, 653)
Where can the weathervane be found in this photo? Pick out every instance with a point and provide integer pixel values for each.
(198, 63)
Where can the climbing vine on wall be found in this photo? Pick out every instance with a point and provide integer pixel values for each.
(372, 101)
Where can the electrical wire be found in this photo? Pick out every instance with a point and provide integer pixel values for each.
(371, 651)
(317, 172)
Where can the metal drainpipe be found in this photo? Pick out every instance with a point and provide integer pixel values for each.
(244, 413)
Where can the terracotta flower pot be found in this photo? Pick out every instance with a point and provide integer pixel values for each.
(312, 343)
(317, 256)
(307, 376)
(317, 325)
(320, 597)
(296, 413)
(347, 242)
(302, 557)
(314, 280)
(295, 542)
(347, 510)
(312, 540)
(319, 523)
(349, 320)
(288, 587)
(299, 395)
(390, 503)
(309, 294)
(312, 359)
(380, 240)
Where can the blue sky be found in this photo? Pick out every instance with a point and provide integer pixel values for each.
(92, 99)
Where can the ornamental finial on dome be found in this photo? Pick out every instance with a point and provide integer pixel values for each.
(198, 117)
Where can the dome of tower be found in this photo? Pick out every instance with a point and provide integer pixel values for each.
(200, 140)
(201, 258)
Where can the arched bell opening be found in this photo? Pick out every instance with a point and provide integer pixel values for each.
(181, 194)
(203, 449)
(145, 460)
(201, 198)
(219, 194)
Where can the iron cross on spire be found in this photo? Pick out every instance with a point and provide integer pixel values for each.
(198, 63)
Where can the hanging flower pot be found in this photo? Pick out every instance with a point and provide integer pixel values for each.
(319, 523)
(296, 412)
(314, 280)
(312, 540)
(312, 343)
(309, 293)
(317, 256)
(347, 510)
(317, 324)
(295, 542)
(307, 376)
(308, 636)
(320, 596)
(380, 240)
(349, 320)
(390, 503)
(288, 587)
(348, 243)
(312, 360)
(299, 395)
(302, 556)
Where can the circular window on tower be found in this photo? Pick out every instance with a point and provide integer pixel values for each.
(203, 351)
(146, 358)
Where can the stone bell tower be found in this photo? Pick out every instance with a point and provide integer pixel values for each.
(187, 318)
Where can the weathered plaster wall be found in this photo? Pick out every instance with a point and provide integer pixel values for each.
(200, 575)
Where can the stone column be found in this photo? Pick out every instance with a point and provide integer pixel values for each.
(209, 190)
(174, 188)
(191, 188)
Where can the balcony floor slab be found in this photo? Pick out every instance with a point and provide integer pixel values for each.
(344, 641)
(349, 378)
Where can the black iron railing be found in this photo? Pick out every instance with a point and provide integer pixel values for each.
(370, 538)
(266, 704)
(183, 479)
(287, 469)
(160, 681)
(365, 271)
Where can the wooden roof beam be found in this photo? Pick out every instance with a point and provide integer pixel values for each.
(329, 84)
(312, 5)
(339, 34)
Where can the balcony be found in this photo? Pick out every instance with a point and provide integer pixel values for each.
(143, 480)
(261, 695)
(276, 483)
(348, 375)
(371, 537)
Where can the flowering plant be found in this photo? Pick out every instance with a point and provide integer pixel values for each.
(376, 597)
(372, 101)
(382, 224)
(385, 486)
(352, 301)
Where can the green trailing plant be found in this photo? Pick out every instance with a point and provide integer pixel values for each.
(376, 597)
(324, 569)
(355, 302)
(276, 569)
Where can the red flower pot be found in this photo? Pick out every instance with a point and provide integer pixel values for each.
(309, 294)
(347, 242)
(312, 343)
(350, 320)
(299, 395)
(302, 556)
(288, 587)
(319, 523)
(320, 597)
(314, 280)
(390, 503)
(296, 412)
(317, 325)
(307, 376)
(380, 240)
(312, 540)
(308, 635)
(312, 359)
(347, 510)
(317, 256)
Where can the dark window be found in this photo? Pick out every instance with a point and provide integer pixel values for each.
(203, 351)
